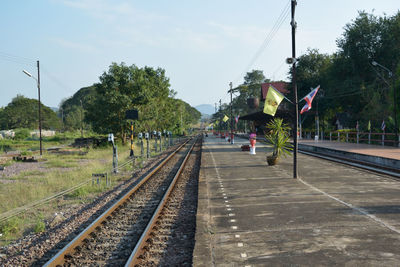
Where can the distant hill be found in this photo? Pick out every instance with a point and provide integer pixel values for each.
(205, 109)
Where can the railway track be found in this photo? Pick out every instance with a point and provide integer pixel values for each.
(111, 238)
(355, 163)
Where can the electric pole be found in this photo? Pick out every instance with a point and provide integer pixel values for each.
(40, 113)
(220, 116)
(230, 84)
(81, 118)
(296, 104)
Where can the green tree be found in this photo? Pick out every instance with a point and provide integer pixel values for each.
(123, 88)
(22, 112)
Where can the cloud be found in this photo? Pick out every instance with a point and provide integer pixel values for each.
(74, 45)
(113, 11)
(244, 34)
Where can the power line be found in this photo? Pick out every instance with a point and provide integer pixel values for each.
(17, 59)
(56, 80)
(282, 17)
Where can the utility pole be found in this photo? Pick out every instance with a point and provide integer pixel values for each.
(317, 121)
(81, 118)
(220, 116)
(396, 125)
(230, 84)
(40, 113)
(296, 104)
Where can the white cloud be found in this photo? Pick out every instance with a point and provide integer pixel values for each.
(244, 34)
(112, 11)
(75, 45)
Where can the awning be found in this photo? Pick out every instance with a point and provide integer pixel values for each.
(261, 116)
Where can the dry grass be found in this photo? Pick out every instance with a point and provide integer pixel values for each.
(58, 173)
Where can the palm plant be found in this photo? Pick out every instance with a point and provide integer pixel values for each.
(278, 136)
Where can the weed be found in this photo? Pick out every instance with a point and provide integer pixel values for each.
(79, 193)
(10, 226)
(59, 163)
(39, 226)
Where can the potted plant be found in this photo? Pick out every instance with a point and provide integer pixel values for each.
(278, 136)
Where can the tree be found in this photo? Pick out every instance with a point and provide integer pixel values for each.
(22, 112)
(146, 89)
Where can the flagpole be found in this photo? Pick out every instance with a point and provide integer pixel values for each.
(296, 104)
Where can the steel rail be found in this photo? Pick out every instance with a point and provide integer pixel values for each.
(58, 259)
(137, 251)
(355, 163)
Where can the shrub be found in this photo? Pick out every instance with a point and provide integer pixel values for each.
(22, 134)
(10, 226)
(39, 226)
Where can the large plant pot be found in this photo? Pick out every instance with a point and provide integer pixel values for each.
(272, 160)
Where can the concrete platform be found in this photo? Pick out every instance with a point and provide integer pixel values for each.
(251, 214)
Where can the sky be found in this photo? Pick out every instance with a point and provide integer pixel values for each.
(202, 45)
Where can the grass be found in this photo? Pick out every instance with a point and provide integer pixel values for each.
(60, 172)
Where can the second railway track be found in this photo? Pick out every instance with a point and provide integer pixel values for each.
(110, 239)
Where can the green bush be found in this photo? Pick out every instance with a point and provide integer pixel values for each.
(39, 226)
(22, 134)
(10, 226)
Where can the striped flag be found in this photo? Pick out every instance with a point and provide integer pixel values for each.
(309, 98)
(237, 118)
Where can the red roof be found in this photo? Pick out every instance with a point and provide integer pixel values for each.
(280, 86)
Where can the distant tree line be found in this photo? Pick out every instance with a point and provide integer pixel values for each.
(350, 83)
(102, 106)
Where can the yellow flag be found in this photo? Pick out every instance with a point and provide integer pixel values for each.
(225, 118)
(272, 101)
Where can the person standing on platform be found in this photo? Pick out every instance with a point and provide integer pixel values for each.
(253, 144)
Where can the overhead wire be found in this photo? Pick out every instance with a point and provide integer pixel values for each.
(17, 59)
(278, 23)
(271, 34)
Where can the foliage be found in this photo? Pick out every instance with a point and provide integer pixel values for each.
(21, 134)
(22, 112)
(278, 135)
(349, 82)
(124, 87)
(10, 226)
(72, 110)
(39, 225)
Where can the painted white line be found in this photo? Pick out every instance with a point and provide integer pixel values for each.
(360, 210)
(226, 201)
(224, 194)
(231, 214)
(228, 209)
(215, 165)
(234, 227)
(225, 197)
(237, 236)
(240, 245)
(227, 205)
(243, 255)
(233, 220)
